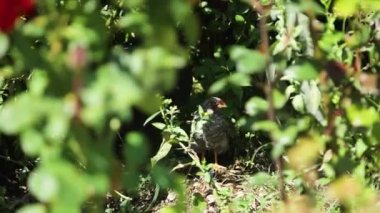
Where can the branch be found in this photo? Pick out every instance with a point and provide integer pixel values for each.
(264, 47)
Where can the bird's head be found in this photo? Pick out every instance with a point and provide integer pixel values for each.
(214, 103)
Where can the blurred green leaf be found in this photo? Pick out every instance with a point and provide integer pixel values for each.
(236, 79)
(298, 103)
(33, 208)
(248, 61)
(277, 150)
(256, 105)
(43, 185)
(136, 150)
(279, 99)
(268, 126)
(32, 142)
(346, 8)
(290, 90)
(38, 82)
(302, 71)
(360, 148)
(312, 99)
(4, 44)
(15, 116)
(362, 116)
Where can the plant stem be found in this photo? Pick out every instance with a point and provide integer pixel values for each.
(264, 47)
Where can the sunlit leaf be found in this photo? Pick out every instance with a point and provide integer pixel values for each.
(43, 185)
(277, 150)
(290, 90)
(33, 208)
(38, 82)
(298, 103)
(268, 126)
(312, 99)
(345, 189)
(346, 8)
(150, 118)
(248, 61)
(360, 147)
(304, 153)
(362, 116)
(15, 116)
(159, 125)
(32, 142)
(279, 99)
(256, 105)
(302, 71)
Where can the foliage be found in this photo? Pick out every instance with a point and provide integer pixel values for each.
(300, 77)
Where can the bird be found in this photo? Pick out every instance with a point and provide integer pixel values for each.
(211, 130)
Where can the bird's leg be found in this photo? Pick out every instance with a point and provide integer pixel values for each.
(217, 167)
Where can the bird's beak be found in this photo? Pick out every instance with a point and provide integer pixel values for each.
(221, 104)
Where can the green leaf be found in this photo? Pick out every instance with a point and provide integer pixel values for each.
(312, 98)
(239, 79)
(279, 99)
(32, 142)
(151, 118)
(268, 126)
(236, 79)
(162, 152)
(256, 105)
(159, 125)
(57, 126)
(302, 71)
(33, 208)
(38, 82)
(346, 8)
(20, 113)
(362, 116)
(360, 147)
(370, 5)
(290, 90)
(298, 103)
(239, 18)
(4, 44)
(219, 85)
(277, 150)
(248, 61)
(287, 136)
(43, 185)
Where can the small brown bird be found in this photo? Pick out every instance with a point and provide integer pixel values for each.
(210, 129)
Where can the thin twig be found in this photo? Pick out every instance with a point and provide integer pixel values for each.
(12, 161)
(264, 47)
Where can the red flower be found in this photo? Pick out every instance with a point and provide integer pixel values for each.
(10, 10)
